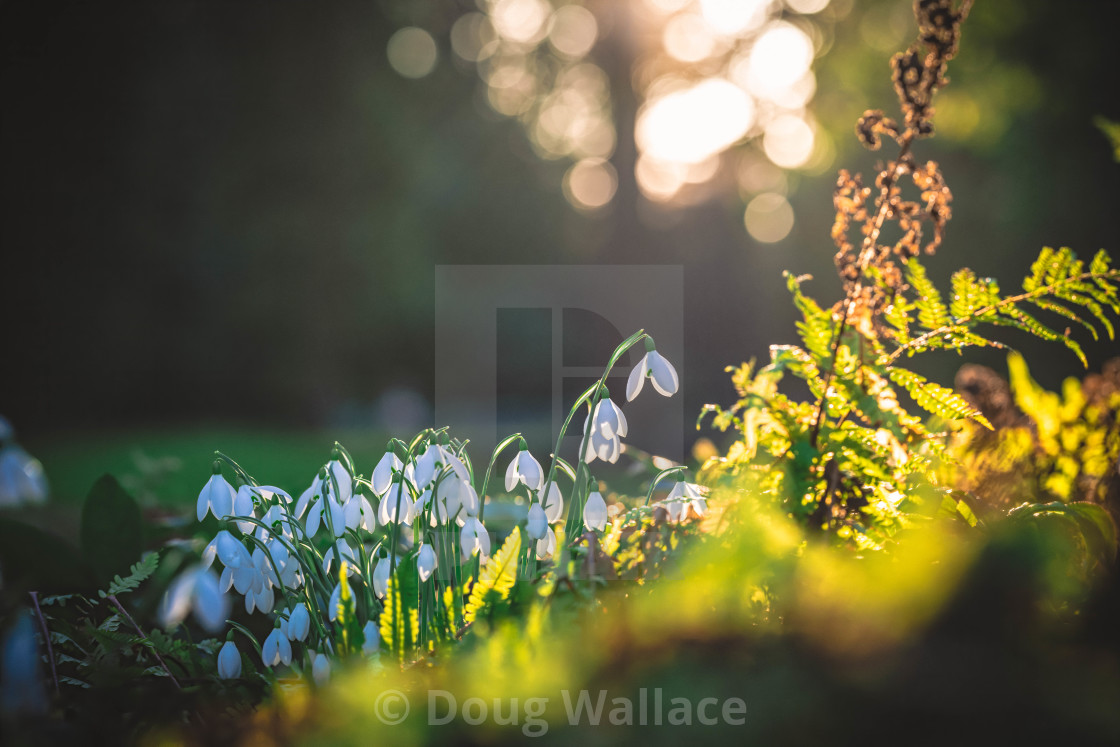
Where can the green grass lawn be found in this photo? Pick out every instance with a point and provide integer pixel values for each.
(180, 459)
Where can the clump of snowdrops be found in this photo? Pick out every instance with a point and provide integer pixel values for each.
(397, 562)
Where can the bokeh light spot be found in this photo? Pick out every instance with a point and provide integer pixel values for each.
(574, 31)
(731, 17)
(788, 141)
(590, 184)
(768, 218)
(689, 125)
(412, 52)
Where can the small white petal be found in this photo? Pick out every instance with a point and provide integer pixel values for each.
(537, 524)
(511, 475)
(553, 502)
(637, 380)
(595, 512)
(662, 374)
(229, 661)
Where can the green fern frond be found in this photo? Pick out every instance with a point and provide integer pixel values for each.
(936, 399)
(932, 312)
(816, 328)
(497, 577)
(137, 574)
(1013, 316)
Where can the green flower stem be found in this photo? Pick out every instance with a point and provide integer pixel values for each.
(659, 476)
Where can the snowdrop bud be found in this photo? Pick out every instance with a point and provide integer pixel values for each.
(537, 523)
(595, 512)
(216, 496)
(229, 661)
(425, 561)
(660, 372)
(299, 623)
(373, 639)
(321, 669)
(276, 649)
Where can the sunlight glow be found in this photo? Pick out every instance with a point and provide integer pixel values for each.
(689, 125)
(473, 38)
(731, 17)
(687, 38)
(807, 7)
(778, 60)
(523, 21)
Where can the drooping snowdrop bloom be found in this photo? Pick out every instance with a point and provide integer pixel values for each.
(382, 476)
(21, 477)
(314, 491)
(396, 504)
(216, 496)
(468, 497)
(278, 523)
(227, 549)
(381, 573)
(321, 669)
(243, 505)
(602, 447)
(537, 522)
(329, 512)
(546, 545)
(683, 496)
(372, 639)
(605, 426)
(276, 649)
(595, 512)
(524, 468)
(552, 502)
(195, 590)
(425, 561)
(229, 661)
(359, 513)
(342, 478)
(448, 499)
(660, 372)
(474, 539)
(345, 553)
(299, 623)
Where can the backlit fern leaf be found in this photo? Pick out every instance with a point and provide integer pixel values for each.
(932, 312)
(1011, 315)
(971, 295)
(816, 328)
(936, 399)
(497, 577)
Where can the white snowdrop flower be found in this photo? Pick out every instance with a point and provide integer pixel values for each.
(342, 477)
(552, 502)
(607, 419)
(243, 506)
(277, 522)
(396, 505)
(372, 635)
(448, 502)
(381, 576)
(336, 518)
(683, 496)
(216, 496)
(546, 545)
(321, 669)
(22, 479)
(299, 623)
(425, 561)
(229, 661)
(468, 497)
(537, 522)
(524, 468)
(345, 553)
(595, 512)
(229, 550)
(276, 649)
(382, 476)
(332, 605)
(427, 464)
(197, 590)
(660, 372)
(474, 539)
(600, 446)
(305, 498)
(360, 514)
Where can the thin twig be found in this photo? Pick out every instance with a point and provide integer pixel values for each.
(113, 598)
(46, 638)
